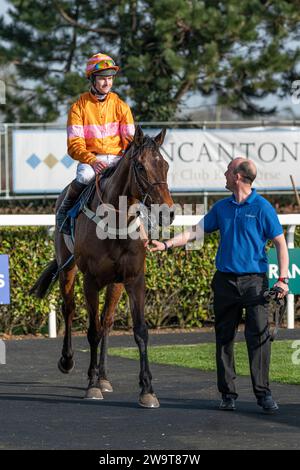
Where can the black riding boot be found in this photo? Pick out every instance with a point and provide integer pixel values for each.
(72, 194)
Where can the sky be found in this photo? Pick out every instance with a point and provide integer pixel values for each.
(3, 7)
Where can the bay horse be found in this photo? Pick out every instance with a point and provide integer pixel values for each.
(140, 175)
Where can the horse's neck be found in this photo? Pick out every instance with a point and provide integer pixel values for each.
(117, 185)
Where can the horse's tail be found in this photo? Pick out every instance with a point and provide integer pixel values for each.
(46, 280)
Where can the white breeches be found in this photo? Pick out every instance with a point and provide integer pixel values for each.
(85, 172)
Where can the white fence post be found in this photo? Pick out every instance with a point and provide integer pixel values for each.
(52, 321)
(290, 238)
(2, 352)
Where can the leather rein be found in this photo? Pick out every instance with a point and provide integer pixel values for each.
(139, 180)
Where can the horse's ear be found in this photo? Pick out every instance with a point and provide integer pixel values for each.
(159, 139)
(138, 135)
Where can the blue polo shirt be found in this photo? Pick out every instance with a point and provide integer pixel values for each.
(244, 231)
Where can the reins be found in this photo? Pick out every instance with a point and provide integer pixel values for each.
(139, 179)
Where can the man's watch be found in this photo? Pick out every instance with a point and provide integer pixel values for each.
(167, 248)
(285, 280)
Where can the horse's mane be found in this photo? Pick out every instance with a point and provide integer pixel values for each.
(147, 142)
(109, 171)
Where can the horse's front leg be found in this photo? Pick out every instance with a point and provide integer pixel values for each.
(136, 293)
(91, 292)
(113, 294)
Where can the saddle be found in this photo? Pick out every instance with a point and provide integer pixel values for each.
(83, 201)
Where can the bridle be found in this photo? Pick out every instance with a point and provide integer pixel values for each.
(139, 179)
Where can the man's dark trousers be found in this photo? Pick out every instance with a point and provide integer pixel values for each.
(232, 293)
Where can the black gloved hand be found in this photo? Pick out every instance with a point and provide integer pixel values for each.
(272, 294)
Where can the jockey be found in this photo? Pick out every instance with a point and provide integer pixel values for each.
(100, 127)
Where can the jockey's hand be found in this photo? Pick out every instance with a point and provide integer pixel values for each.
(99, 166)
(284, 287)
(158, 246)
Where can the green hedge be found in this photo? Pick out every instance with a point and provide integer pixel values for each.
(178, 285)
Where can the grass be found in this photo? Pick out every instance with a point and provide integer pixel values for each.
(202, 356)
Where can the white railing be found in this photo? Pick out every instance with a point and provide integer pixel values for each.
(289, 220)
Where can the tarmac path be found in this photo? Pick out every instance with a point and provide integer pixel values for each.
(40, 408)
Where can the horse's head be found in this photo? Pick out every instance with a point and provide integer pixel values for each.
(149, 175)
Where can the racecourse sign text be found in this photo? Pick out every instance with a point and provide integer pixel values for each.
(294, 269)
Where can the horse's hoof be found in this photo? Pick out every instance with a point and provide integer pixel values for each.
(149, 400)
(93, 393)
(105, 386)
(66, 366)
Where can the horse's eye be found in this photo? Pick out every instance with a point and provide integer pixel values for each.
(140, 167)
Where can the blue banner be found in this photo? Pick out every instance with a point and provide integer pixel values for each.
(4, 279)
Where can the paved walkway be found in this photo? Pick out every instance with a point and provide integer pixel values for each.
(41, 408)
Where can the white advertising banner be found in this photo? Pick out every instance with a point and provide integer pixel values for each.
(41, 163)
(197, 158)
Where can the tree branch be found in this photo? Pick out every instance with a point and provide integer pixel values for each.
(182, 90)
(73, 44)
(76, 24)
(133, 12)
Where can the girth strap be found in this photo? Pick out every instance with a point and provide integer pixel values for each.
(132, 227)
